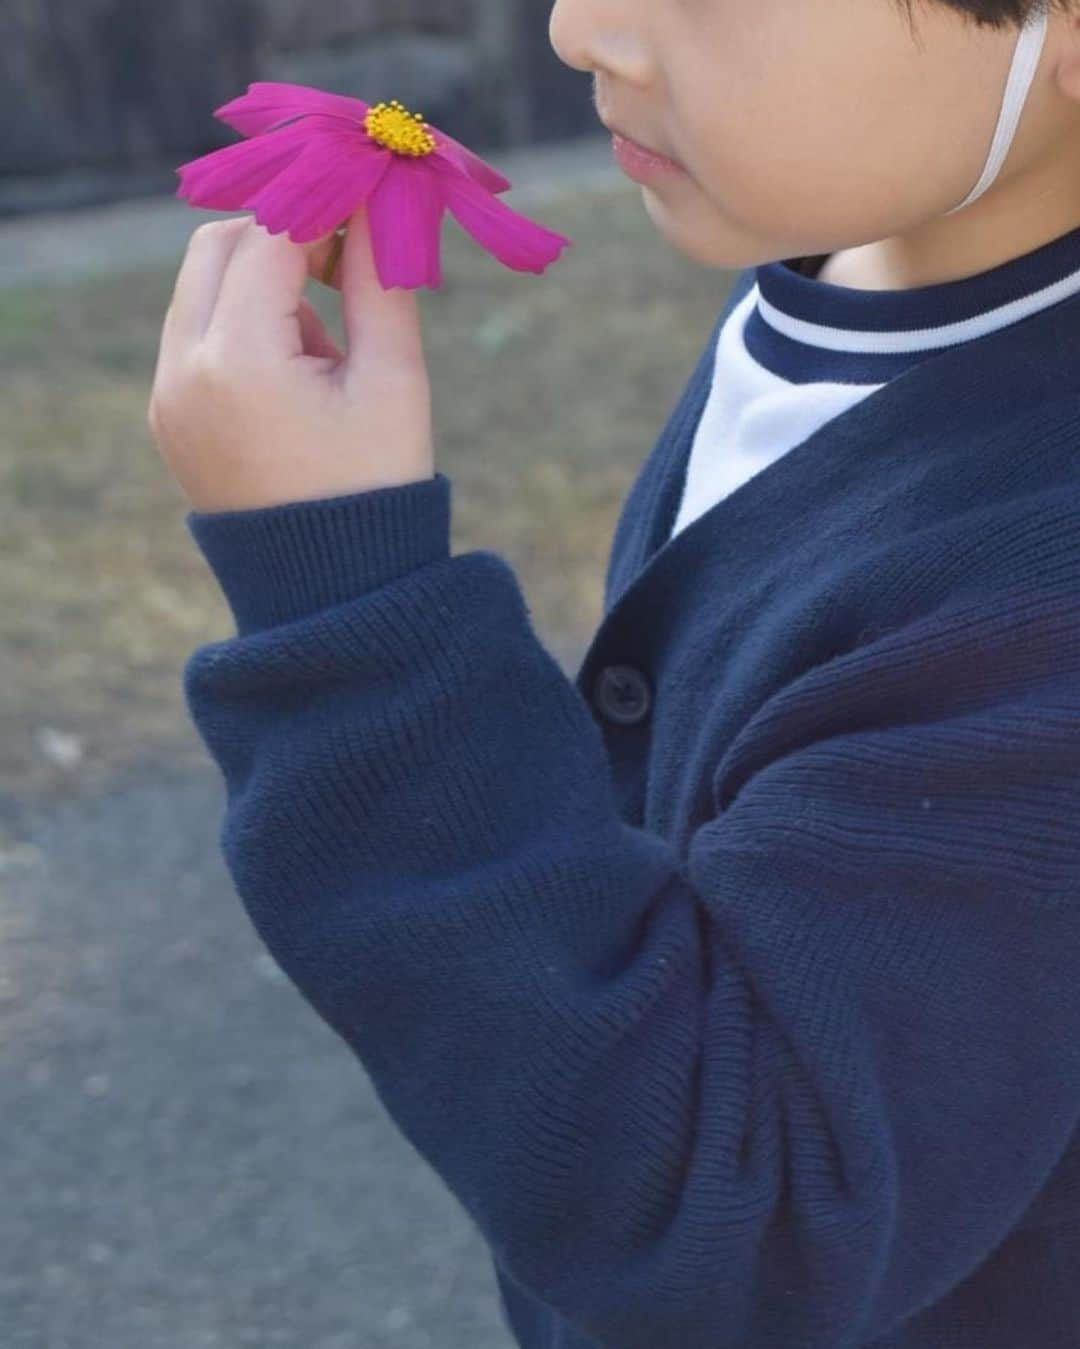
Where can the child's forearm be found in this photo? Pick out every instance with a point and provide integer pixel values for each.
(660, 1092)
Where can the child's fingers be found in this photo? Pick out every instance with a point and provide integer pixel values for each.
(317, 341)
(258, 302)
(318, 255)
(382, 325)
(198, 282)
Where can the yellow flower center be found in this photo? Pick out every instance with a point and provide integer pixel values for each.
(398, 129)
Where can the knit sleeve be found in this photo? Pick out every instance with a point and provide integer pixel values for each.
(786, 1089)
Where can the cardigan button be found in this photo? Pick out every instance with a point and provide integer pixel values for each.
(622, 695)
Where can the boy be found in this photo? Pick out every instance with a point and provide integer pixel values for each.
(733, 987)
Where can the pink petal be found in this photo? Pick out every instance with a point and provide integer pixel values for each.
(517, 242)
(268, 102)
(225, 179)
(477, 169)
(322, 187)
(405, 217)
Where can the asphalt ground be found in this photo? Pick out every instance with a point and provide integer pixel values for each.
(191, 1158)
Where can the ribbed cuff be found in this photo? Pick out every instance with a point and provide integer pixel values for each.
(276, 564)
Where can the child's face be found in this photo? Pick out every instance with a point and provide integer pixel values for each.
(805, 126)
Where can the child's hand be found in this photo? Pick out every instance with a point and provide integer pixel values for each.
(254, 405)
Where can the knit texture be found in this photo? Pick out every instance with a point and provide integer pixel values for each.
(752, 1022)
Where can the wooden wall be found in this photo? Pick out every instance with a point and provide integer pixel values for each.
(130, 85)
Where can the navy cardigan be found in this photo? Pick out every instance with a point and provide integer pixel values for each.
(732, 987)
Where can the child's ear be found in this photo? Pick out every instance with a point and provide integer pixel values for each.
(1067, 67)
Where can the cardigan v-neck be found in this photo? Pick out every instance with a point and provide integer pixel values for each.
(796, 352)
(1012, 372)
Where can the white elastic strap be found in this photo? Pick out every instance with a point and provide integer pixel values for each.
(1025, 63)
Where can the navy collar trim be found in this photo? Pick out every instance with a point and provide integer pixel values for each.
(806, 330)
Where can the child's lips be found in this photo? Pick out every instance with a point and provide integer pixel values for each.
(642, 154)
(639, 162)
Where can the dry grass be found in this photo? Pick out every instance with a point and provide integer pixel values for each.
(548, 393)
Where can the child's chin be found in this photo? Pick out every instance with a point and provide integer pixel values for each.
(701, 241)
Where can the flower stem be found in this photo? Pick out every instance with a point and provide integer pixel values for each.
(334, 258)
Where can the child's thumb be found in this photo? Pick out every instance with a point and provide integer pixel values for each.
(382, 325)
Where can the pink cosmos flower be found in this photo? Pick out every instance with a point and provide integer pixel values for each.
(313, 158)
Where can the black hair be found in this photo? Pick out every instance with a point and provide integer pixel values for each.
(993, 13)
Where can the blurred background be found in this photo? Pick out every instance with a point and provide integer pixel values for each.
(190, 1157)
